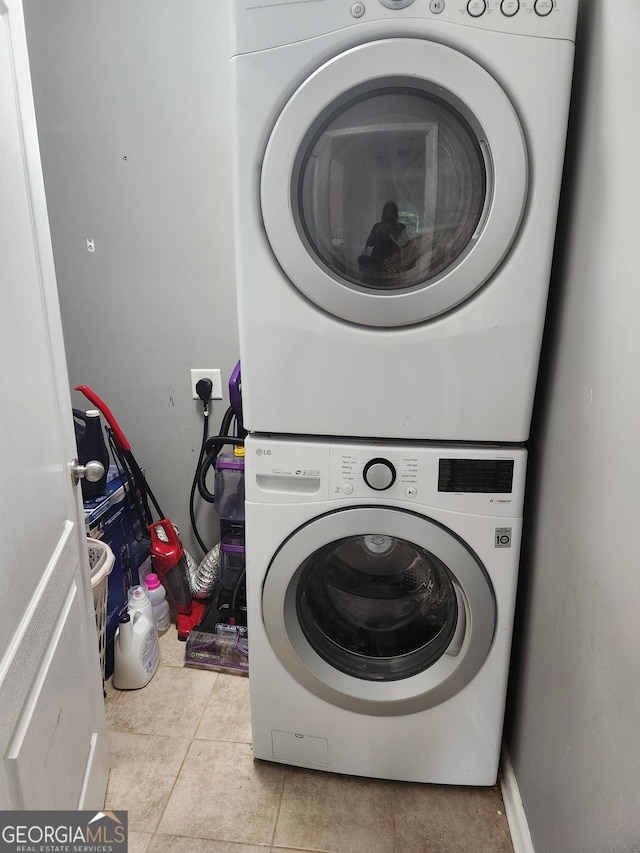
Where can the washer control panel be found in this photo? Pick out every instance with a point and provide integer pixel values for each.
(487, 481)
(358, 473)
(482, 480)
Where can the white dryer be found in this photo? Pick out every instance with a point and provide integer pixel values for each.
(443, 124)
(381, 583)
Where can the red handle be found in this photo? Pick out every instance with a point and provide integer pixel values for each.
(106, 411)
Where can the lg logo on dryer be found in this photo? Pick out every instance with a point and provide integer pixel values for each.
(261, 452)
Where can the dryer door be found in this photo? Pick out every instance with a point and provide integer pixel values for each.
(394, 182)
(379, 610)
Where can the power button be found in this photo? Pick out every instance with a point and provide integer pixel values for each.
(358, 10)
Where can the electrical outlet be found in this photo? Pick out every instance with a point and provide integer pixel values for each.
(207, 373)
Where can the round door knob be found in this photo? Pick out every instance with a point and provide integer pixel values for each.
(379, 474)
(92, 471)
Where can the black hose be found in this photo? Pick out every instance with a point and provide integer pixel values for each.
(212, 448)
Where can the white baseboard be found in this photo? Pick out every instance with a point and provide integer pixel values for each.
(516, 817)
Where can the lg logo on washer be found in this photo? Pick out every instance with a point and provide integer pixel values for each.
(261, 452)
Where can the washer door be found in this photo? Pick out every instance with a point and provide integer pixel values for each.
(378, 610)
(394, 182)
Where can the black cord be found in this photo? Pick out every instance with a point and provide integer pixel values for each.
(205, 433)
(132, 491)
(236, 590)
(141, 481)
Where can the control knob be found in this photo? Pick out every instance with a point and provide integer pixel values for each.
(379, 474)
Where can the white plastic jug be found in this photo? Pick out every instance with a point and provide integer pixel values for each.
(159, 604)
(138, 599)
(136, 649)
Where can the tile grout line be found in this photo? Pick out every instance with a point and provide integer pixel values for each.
(394, 803)
(275, 823)
(186, 755)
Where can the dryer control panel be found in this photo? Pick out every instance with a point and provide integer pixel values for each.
(262, 24)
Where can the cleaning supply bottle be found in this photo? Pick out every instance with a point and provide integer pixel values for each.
(169, 562)
(91, 446)
(136, 649)
(159, 604)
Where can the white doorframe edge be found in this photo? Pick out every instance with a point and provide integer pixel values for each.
(516, 817)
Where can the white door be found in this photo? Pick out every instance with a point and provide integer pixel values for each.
(52, 725)
(394, 182)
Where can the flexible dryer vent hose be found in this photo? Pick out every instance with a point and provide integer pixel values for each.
(203, 578)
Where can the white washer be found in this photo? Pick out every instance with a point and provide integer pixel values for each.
(455, 112)
(381, 583)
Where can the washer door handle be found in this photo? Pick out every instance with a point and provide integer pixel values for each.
(455, 646)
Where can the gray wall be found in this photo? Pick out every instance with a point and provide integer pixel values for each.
(574, 724)
(147, 81)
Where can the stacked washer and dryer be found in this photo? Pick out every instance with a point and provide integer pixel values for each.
(397, 172)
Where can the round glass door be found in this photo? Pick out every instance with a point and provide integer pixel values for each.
(390, 188)
(376, 607)
(394, 182)
(378, 610)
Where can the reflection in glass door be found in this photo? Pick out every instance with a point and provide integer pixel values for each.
(391, 187)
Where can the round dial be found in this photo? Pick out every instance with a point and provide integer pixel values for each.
(396, 4)
(379, 474)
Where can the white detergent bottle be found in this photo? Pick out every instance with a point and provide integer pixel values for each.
(136, 648)
(159, 604)
(139, 600)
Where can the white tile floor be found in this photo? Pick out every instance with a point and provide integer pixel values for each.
(181, 764)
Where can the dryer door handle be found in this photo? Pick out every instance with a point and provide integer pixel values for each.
(455, 645)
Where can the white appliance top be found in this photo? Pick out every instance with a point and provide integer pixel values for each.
(261, 24)
(479, 480)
